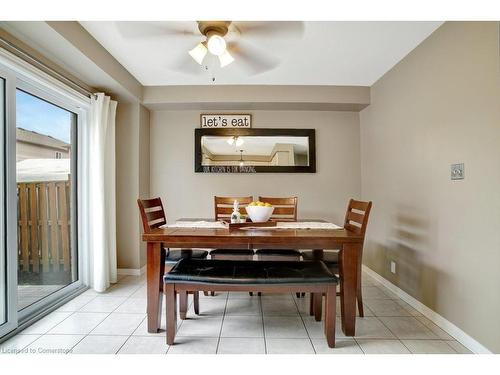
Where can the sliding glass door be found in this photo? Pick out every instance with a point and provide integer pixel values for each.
(45, 160)
(3, 254)
(40, 264)
(8, 308)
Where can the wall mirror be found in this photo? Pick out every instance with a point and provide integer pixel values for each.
(255, 150)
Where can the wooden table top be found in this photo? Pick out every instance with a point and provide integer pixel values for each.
(248, 238)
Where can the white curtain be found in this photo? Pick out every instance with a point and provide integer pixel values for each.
(99, 227)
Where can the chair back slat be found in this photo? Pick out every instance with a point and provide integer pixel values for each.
(152, 213)
(292, 201)
(149, 203)
(223, 206)
(356, 217)
(285, 209)
(288, 211)
(155, 215)
(359, 205)
(227, 211)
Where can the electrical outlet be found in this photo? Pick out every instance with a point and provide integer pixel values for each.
(457, 171)
(393, 266)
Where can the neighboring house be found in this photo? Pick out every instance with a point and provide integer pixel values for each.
(33, 145)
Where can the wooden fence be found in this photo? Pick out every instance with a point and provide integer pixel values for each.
(44, 226)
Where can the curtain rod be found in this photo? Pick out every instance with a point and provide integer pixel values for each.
(27, 57)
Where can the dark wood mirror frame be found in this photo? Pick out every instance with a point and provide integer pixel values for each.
(309, 133)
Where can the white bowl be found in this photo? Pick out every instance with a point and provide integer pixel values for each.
(259, 214)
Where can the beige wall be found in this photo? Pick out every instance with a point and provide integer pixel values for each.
(132, 181)
(322, 194)
(127, 165)
(257, 97)
(439, 105)
(144, 156)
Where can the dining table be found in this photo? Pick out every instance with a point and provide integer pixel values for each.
(347, 242)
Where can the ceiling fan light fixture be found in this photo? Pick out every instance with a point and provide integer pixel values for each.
(216, 45)
(199, 52)
(225, 59)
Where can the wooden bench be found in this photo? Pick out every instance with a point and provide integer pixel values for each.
(250, 276)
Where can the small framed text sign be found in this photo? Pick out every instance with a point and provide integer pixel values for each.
(225, 121)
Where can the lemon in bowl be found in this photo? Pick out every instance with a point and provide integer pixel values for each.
(259, 212)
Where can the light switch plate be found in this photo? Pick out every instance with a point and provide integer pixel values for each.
(457, 171)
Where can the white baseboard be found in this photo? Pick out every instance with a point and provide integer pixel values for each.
(131, 271)
(437, 319)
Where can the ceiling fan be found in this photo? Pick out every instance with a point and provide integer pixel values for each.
(214, 32)
(226, 41)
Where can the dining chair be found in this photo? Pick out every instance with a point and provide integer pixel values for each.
(153, 216)
(285, 209)
(356, 220)
(223, 207)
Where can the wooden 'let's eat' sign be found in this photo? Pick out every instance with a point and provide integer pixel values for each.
(227, 121)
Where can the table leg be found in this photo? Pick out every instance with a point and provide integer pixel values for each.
(317, 306)
(330, 315)
(171, 303)
(155, 271)
(316, 300)
(348, 284)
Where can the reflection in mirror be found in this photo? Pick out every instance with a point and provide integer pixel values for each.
(287, 151)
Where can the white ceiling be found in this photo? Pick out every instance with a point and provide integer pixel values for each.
(327, 53)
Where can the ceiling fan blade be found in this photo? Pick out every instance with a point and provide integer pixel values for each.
(251, 58)
(186, 65)
(286, 29)
(143, 29)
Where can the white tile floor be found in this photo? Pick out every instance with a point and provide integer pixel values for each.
(230, 323)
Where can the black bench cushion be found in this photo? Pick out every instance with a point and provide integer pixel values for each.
(278, 252)
(176, 255)
(249, 272)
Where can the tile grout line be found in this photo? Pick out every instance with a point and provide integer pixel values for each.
(397, 337)
(222, 324)
(304, 324)
(88, 334)
(122, 345)
(407, 348)
(381, 287)
(116, 308)
(357, 343)
(94, 296)
(126, 299)
(46, 333)
(107, 316)
(263, 325)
